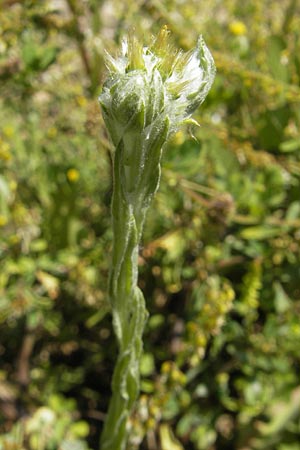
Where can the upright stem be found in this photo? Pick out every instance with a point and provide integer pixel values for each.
(149, 93)
(128, 309)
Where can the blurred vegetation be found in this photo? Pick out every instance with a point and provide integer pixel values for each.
(220, 258)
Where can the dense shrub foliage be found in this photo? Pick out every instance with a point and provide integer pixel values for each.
(219, 264)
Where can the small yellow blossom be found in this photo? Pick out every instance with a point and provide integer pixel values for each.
(5, 154)
(52, 132)
(201, 340)
(150, 423)
(222, 378)
(195, 359)
(8, 131)
(81, 101)
(166, 367)
(178, 376)
(295, 329)
(154, 410)
(3, 220)
(3, 45)
(73, 175)
(248, 82)
(14, 239)
(238, 28)
(13, 185)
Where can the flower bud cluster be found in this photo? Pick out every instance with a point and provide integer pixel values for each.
(149, 93)
(158, 83)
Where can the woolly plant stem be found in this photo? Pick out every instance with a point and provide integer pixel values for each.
(128, 310)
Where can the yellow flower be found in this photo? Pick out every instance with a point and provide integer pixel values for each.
(238, 28)
(178, 376)
(222, 378)
(8, 131)
(3, 220)
(73, 175)
(13, 185)
(5, 154)
(201, 340)
(52, 132)
(166, 367)
(81, 101)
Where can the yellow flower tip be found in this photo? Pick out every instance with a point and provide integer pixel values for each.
(164, 48)
(135, 53)
(73, 175)
(162, 42)
(238, 28)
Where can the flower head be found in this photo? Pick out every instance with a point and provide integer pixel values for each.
(149, 93)
(152, 83)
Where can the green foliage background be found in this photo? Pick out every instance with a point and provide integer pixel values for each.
(219, 264)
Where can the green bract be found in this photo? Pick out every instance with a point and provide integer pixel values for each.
(149, 93)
